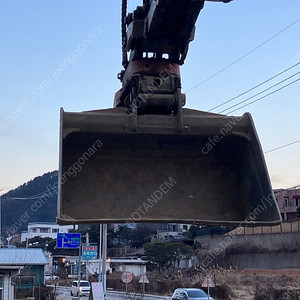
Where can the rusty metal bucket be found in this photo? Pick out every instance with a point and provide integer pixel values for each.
(119, 167)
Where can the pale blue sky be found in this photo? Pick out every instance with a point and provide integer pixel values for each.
(37, 37)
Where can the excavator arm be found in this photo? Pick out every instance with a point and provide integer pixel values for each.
(156, 38)
(160, 28)
(148, 159)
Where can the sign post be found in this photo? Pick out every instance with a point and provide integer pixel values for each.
(71, 241)
(126, 278)
(68, 240)
(97, 291)
(208, 283)
(89, 252)
(143, 280)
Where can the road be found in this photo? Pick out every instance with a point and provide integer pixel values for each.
(64, 293)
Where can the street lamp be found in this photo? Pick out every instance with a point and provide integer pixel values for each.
(9, 238)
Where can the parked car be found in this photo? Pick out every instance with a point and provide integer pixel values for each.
(190, 294)
(50, 277)
(84, 288)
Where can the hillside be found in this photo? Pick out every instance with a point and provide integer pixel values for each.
(34, 201)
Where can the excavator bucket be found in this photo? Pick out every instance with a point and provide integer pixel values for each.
(207, 168)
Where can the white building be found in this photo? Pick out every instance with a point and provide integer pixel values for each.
(177, 227)
(136, 266)
(44, 230)
(164, 236)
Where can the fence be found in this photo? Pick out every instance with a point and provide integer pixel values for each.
(282, 228)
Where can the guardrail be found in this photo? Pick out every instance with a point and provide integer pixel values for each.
(122, 295)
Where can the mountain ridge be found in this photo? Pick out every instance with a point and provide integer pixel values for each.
(33, 201)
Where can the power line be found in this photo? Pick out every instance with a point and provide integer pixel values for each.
(281, 88)
(238, 96)
(33, 197)
(242, 57)
(260, 92)
(283, 146)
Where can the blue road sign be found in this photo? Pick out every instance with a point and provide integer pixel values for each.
(89, 252)
(68, 240)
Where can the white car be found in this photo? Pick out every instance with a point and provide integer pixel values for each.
(84, 288)
(50, 277)
(190, 294)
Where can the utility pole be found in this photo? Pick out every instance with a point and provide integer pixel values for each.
(79, 270)
(1, 220)
(87, 261)
(100, 252)
(104, 258)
